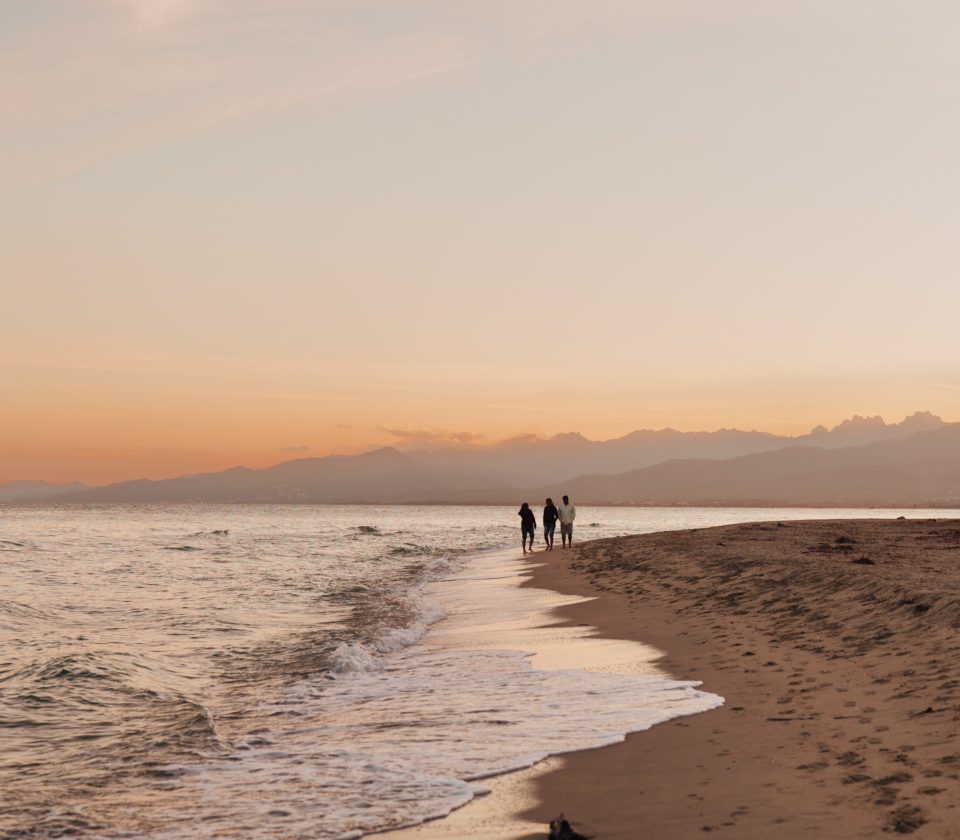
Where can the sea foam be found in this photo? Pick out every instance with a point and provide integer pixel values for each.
(404, 731)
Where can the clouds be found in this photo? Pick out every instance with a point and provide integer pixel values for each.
(92, 80)
(432, 437)
(293, 449)
(158, 12)
(106, 78)
(97, 79)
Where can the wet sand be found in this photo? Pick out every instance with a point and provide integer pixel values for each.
(836, 647)
(488, 609)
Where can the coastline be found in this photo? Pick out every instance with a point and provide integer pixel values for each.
(835, 646)
(490, 606)
(505, 501)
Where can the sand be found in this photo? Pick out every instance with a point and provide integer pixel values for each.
(488, 609)
(836, 647)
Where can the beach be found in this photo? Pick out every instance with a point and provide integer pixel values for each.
(835, 646)
(285, 671)
(782, 678)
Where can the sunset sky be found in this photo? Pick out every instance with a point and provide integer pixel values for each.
(238, 231)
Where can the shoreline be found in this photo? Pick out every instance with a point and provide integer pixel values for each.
(835, 645)
(761, 504)
(492, 607)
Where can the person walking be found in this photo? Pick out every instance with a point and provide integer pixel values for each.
(528, 526)
(568, 512)
(550, 514)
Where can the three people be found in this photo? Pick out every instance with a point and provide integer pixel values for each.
(565, 513)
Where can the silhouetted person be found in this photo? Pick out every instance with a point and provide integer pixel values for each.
(550, 514)
(528, 526)
(568, 512)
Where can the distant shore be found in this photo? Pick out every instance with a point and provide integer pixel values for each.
(835, 644)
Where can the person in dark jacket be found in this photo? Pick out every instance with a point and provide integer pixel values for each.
(550, 516)
(528, 526)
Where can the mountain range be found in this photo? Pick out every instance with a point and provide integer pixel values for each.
(29, 491)
(529, 461)
(919, 470)
(862, 461)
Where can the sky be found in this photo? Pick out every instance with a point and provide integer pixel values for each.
(239, 231)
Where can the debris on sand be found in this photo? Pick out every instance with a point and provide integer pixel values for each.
(560, 829)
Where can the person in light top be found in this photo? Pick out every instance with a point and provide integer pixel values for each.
(568, 512)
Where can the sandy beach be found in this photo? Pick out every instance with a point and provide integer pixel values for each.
(835, 645)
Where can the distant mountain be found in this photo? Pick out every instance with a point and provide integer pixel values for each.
(529, 461)
(31, 491)
(861, 461)
(860, 430)
(382, 476)
(922, 468)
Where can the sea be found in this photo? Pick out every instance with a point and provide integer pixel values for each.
(208, 671)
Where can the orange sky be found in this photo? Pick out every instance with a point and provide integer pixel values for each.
(238, 233)
(100, 424)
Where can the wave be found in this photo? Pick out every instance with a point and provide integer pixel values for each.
(21, 611)
(122, 702)
(353, 658)
(370, 529)
(364, 657)
(182, 548)
(381, 620)
(81, 666)
(12, 546)
(389, 636)
(411, 550)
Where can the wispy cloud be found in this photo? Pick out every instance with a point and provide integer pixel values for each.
(95, 79)
(158, 12)
(411, 436)
(111, 77)
(293, 449)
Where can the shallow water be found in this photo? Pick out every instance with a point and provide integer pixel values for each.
(226, 671)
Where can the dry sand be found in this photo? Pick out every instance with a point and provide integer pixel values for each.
(836, 647)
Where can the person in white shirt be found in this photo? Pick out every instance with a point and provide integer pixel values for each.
(568, 512)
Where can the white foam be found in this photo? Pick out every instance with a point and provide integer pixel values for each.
(405, 730)
(353, 658)
(358, 658)
(429, 613)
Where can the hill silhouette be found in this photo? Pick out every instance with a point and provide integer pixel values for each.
(28, 491)
(920, 469)
(531, 461)
(382, 476)
(862, 461)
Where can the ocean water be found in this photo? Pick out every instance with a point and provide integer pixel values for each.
(268, 671)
